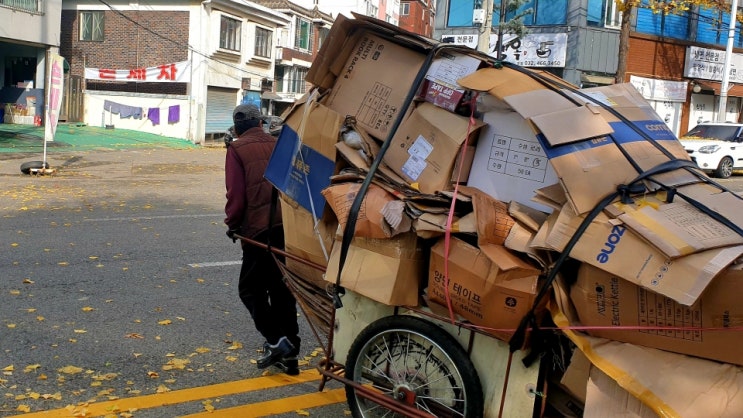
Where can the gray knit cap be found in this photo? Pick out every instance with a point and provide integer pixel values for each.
(246, 112)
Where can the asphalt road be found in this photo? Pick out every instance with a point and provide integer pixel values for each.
(117, 281)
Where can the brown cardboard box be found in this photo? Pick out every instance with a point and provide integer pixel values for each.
(317, 126)
(580, 156)
(301, 239)
(611, 246)
(427, 144)
(603, 300)
(386, 270)
(492, 288)
(374, 83)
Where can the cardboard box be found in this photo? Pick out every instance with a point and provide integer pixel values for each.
(317, 125)
(492, 288)
(606, 399)
(302, 239)
(370, 221)
(597, 150)
(441, 87)
(386, 270)
(510, 163)
(611, 246)
(427, 144)
(374, 82)
(603, 300)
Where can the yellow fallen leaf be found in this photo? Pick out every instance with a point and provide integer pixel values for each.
(95, 384)
(34, 395)
(70, 370)
(9, 368)
(31, 367)
(302, 412)
(164, 322)
(233, 358)
(42, 377)
(134, 335)
(136, 354)
(162, 389)
(266, 373)
(235, 346)
(208, 405)
(40, 318)
(28, 281)
(93, 257)
(19, 397)
(15, 292)
(31, 310)
(199, 280)
(23, 408)
(80, 331)
(11, 325)
(63, 263)
(88, 309)
(180, 318)
(153, 375)
(202, 350)
(15, 244)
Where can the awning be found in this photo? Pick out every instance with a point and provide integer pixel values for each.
(269, 95)
(596, 79)
(736, 90)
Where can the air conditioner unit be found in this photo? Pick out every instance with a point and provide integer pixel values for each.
(478, 17)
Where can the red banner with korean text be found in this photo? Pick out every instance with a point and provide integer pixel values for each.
(53, 102)
(178, 72)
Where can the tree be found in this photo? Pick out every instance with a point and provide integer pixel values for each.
(657, 6)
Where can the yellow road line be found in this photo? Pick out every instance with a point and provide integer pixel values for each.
(180, 396)
(276, 406)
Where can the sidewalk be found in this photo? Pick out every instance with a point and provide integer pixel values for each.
(15, 138)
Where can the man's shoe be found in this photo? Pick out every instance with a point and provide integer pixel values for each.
(274, 352)
(289, 365)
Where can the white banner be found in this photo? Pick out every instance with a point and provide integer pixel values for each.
(55, 77)
(531, 50)
(178, 72)
(709, 64)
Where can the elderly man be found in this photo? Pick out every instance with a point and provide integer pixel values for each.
(248, 210)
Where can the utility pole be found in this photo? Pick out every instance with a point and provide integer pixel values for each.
(483, 39)
(724, 87)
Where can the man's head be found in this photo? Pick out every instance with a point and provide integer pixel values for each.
(246, 116)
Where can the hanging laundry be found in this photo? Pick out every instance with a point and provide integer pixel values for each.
(174, 114)
(153, 114)
(112, 107)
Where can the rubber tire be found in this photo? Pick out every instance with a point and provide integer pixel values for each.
(433, 336)
(725, 168)
(32, 165)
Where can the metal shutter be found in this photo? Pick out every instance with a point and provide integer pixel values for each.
(220, 102)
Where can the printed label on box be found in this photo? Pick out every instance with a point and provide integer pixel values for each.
(421, 148)
(414, 166)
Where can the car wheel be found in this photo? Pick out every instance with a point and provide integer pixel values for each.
(33, 165)
(725, 168)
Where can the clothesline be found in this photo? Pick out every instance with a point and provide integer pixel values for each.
(153, 113)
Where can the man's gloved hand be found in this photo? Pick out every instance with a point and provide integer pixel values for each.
(231, 234)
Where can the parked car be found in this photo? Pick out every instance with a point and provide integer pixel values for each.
(717, 148)
(271, 124)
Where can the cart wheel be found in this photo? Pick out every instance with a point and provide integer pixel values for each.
(416, 363)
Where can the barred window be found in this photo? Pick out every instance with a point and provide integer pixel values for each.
(263, 42)
(229, 33)
(91, 26)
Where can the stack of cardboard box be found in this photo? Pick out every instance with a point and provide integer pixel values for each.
(513, 163)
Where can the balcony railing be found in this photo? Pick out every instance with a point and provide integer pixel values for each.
(31, 6)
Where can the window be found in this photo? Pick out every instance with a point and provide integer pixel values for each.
(91, 26)
(460, 13)
(229, 33)
(372, 10)
(543, 12)
(404, 9)
(603, 13)
(291, 79)
(303, 35)
(322, 35)
(262, 42)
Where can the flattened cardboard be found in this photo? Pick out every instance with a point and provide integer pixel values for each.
(611, 246)
(317, 126)
(386, 270)
(490, 295)
(302, 239)
(678, 228)
(500, 82)
(374, 83)
(603, 300)
(510, 163)
(579, 163)
(426, 145)
(493, 220)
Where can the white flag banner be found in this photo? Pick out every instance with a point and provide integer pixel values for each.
(178, 72)
(55, 77)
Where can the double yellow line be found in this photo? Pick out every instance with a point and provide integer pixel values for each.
(253, 410)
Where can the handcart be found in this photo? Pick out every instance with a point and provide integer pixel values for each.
(410, 361)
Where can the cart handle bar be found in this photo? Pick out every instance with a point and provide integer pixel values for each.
(280, 252)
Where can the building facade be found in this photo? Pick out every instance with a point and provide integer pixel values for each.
(417, 16)
(296, 46)
(29, 33)
(175, 68)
